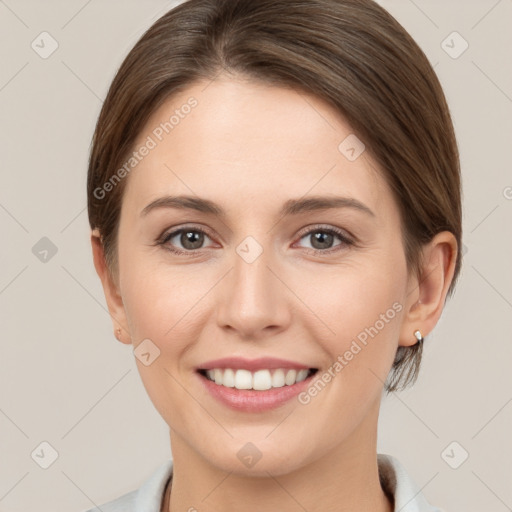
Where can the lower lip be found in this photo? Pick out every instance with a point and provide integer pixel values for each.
(250, 400)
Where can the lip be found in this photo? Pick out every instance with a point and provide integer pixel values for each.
(262, 363)
(250, 400)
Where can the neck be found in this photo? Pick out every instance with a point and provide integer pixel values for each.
(348, 477)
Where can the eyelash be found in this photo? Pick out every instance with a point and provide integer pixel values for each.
(345, 241)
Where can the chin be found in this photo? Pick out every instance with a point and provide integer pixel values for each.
(259, 459)
(263, 468)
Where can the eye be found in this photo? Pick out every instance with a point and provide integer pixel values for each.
(184, 240)
(323, 239)
(189, 240)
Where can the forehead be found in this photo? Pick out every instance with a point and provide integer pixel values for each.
(237, 140)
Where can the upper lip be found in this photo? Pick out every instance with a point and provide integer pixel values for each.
(262, 363)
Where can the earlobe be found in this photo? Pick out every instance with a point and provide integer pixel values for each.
(427, 295)
(110, 289)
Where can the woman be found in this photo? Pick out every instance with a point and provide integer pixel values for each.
(274, 198)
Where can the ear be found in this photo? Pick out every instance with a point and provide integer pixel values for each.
(426, 296)
(110, 289)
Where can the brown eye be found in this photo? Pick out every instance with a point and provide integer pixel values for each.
(191, 239)
(321, 240)
(324, 239)
(184, 240)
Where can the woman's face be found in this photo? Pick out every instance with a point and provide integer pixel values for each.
(265, 273)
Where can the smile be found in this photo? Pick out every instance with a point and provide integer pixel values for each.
(260, 380)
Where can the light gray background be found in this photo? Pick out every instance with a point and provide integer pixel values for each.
(65, 380)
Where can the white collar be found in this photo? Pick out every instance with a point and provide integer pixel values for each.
(397, 482)
(394, 479)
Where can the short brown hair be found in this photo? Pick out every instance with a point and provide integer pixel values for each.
(351, 53)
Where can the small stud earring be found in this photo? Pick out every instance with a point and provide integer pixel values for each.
(418, 335)
(118, 334)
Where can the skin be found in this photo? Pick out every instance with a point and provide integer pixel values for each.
(249, 148)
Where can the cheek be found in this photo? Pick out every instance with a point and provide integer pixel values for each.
(353, 296)
(161, 305)
(162, 302)
(156, 302)
(360, 308)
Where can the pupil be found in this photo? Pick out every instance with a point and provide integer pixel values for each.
(323, 240)
(192, 239)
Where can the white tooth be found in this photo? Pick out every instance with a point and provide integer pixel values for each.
(218, 376)
(262, 380)
(278, 379)
(301, 375)
(243, 379)
(229, 378)
(290, 377)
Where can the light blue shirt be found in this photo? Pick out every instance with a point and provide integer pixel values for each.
(149, 497)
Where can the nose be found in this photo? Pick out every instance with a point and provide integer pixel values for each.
(253, 301)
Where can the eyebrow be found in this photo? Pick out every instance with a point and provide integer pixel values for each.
(290, 207)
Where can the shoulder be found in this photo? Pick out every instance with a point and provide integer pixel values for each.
(125, 503)
(148, 498)
(396, 482)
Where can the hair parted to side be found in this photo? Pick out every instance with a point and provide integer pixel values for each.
(351, 53)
